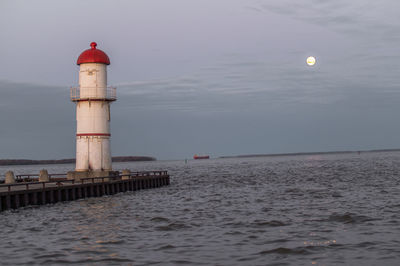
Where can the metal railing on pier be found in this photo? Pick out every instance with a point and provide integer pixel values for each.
(19, 178)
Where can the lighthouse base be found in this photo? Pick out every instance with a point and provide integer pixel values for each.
(78, 175)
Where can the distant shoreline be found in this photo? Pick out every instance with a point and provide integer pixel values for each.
(68, 161)
(306, 153)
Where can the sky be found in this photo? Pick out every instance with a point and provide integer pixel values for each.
(224, 77)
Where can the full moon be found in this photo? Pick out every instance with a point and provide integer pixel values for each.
(311, 60)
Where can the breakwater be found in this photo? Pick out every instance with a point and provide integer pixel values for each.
(22, 194)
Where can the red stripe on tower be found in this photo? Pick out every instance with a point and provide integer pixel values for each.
(92, 134)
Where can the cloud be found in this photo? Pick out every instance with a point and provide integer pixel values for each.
(33, 118)
(369, 19)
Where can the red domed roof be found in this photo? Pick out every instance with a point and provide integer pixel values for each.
(93, 55)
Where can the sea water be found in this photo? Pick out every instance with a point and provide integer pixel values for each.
(287, 210)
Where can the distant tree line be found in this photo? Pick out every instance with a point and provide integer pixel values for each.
(66, 161)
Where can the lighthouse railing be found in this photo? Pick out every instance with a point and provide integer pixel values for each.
(93, 93)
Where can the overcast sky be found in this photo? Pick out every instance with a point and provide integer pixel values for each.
(217, 77)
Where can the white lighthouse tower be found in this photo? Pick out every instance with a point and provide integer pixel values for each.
(93, 99)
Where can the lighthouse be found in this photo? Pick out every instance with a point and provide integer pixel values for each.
(93, 98)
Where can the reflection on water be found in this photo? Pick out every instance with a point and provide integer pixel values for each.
(293, 210)
(99, 233)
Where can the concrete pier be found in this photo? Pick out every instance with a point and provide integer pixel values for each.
(16, 195)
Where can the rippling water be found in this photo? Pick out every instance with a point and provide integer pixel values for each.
(291, 210)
